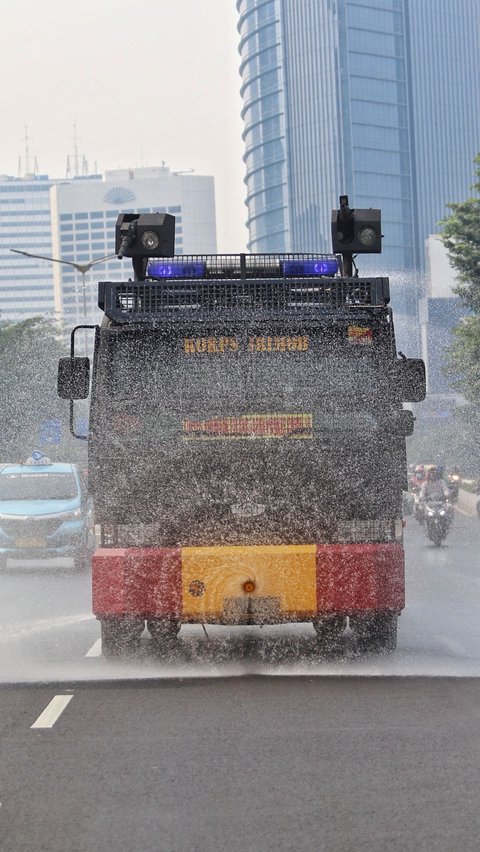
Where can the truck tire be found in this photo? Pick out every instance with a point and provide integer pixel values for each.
(163, 632)
(81, 562)
(329, 629)
(375, 632)
(121, 636)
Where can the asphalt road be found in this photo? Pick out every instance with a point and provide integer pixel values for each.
(267, 764)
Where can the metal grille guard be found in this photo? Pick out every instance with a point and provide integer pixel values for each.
(232, 286)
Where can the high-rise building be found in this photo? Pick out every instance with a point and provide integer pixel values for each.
(441, 277)
(378, 99)
(26, 285)
(439, 312)
(444, 65)
(438, 318)
(83, 227)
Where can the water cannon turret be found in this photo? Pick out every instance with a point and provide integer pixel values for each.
(144, 235)
(355, 232)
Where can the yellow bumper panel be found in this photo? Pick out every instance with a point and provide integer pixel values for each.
(263, 584)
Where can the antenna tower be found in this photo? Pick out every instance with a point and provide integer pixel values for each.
(27, 153)
(76, 170)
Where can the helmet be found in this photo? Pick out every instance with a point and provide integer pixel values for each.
(420, 471)
(439, 469)
(433, 473)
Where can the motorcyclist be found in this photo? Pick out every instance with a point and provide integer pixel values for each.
(416, 481)
(437, 518)
(434, 487)
(454, 481)
(418, 477)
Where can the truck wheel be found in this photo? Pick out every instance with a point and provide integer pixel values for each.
(375, 632)
(121, 636)
(163, 632)
(329, 629)
(81, 562)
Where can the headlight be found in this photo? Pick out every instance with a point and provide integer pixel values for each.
(72, 516)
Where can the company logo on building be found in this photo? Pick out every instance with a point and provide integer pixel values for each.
(118, 195)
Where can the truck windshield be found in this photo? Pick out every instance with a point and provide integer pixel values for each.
(38, 486)
(299, 422)
(241, 377)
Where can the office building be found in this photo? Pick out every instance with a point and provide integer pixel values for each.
(439, 312)
(378, 99)
(441, 277)
(438, 318)
(83, 227)
(444, 49)
(26, 285)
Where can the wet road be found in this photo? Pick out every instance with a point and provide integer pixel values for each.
(47, 632)
(183, 754)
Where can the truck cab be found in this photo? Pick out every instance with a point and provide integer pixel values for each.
(247, 452)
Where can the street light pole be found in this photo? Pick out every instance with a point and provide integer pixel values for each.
(83, 268)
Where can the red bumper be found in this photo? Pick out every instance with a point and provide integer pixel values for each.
(137, 581)
(360, 578)
(349, 579)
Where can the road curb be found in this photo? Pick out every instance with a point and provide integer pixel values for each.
(467, 502)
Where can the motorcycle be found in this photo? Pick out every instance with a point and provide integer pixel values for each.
(407, 503)
(438, 516)
(417, 508)
(453, 482)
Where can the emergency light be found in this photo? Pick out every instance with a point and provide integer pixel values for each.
(317, 266)
(175, 269)
(297, 268)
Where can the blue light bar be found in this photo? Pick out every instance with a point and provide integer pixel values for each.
(175, 269)
(320, 266)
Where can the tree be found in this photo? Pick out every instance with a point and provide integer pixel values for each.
(29, 353)
(461, 237)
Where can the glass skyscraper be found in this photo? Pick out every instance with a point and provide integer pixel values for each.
(373, 98)
(445, 68)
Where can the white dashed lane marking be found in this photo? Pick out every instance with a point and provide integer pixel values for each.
(52, 712)
(95, 650)
(452, 646)
(15, 631)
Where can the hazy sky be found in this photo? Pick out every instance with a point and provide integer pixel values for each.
(144, 82)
